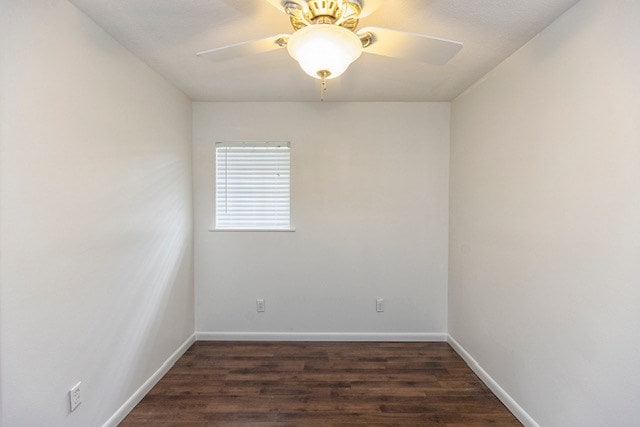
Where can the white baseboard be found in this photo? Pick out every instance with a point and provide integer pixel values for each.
(137, 396)
(322, 336)
(504, 397)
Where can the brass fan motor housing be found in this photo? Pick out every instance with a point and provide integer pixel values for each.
(339, 12)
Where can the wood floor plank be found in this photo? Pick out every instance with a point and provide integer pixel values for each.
(319, 383)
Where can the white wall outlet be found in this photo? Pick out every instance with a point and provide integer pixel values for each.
(74, 397)
(379, 305)
(260, 305)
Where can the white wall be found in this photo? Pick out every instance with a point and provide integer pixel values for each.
(545, 220)
(370, 207)
(95, 217)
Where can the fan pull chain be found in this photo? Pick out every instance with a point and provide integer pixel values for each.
(323, 88)
(323, 74)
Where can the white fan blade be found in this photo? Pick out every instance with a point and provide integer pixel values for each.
(417, 47)
(246, 48)
(279, 4)
(369, 6)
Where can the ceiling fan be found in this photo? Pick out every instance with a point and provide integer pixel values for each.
(326, 41)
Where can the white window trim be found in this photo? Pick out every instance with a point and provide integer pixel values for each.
(254, 230)
(291, 229)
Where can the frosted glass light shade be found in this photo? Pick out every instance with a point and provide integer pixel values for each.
(324, 47)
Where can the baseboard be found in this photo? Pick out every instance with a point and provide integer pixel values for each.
(322, 336)
(504, 397)
(137, 396)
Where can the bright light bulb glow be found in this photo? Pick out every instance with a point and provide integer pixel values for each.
(324, 47)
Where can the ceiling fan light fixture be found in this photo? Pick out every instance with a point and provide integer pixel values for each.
(324, 50)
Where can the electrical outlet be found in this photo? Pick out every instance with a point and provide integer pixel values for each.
(260, 305)
(74, 397)
(379, 305)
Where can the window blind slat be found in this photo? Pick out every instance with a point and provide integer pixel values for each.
(253, 186)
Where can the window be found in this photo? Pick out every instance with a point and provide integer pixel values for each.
(253, 186)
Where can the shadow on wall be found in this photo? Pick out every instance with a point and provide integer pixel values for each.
(157, 281)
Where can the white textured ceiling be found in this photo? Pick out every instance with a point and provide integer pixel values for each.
(166, 34)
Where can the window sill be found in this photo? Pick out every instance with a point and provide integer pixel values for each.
(260, 230)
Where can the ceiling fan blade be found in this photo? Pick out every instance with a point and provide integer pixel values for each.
(417, 47)
(369, 6)
(280, 4)
(246, 48)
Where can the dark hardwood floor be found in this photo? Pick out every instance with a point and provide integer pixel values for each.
(319, 383)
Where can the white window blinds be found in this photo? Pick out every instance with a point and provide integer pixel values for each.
(253, 186)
